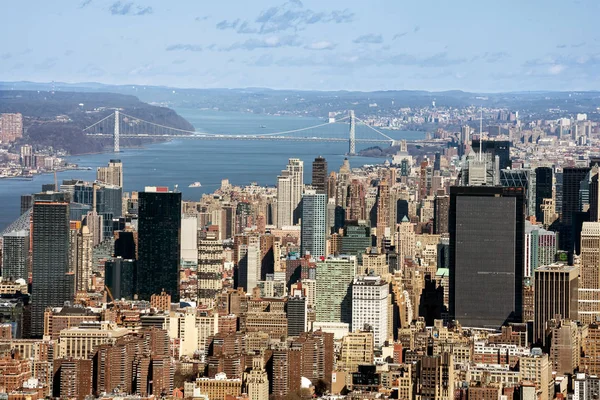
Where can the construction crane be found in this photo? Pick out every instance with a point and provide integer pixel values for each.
(112, 299)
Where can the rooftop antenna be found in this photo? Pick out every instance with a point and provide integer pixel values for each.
(55, 182)
(480, 130)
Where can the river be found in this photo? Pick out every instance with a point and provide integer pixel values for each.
(183, 161)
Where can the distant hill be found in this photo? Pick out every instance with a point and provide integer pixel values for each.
(319, 103)
(41, 128)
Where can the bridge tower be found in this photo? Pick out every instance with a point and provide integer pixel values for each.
(116, 134)
(352, 141)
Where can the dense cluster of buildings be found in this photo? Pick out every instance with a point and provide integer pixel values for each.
(471, 273)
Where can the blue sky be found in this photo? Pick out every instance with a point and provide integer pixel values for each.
(475, 45)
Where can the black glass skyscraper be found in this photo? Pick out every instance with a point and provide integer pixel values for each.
(500, 148)
(571, 188)
(52, 281)
(486, 255)
(159, 232)
(543, 189)
(319, 175)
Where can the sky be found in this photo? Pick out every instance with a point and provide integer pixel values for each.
(472, 45)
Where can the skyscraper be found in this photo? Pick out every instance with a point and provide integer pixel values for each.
(544, 185)
(486, 255)
(249, 264)
(159, 230)
(112, 174)
(355, 210)
(370, 304)
(83, 271)
(11, 127)
(290, 185)
(285, 215)
(383, 212)
(441, 208)
(589, 284)
(15, 253)
(314, 224)
(53, 281)
(210, 266)
(571, 184)
(334, 297)
(319, 175)
(500, 148)
(297, 314)
(540, 248)
(556, 291)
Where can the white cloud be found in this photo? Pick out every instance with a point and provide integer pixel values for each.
(321, 45)
(556, 69)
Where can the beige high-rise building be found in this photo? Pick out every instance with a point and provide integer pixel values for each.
(112, 174)
(290, 185)
(357, 348)
(565, 347)
(405, 240)
(83, 271)
(284, 201)
(257, 381)
(589, 282)
(210, 268)
(555, 293)
(536, 368)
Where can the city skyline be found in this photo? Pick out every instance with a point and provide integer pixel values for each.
(307, 45)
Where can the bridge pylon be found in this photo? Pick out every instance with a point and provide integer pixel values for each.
(352, 140)
(116, 135)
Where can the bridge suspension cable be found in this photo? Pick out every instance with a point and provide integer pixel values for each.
(369, 126)
(102, 120)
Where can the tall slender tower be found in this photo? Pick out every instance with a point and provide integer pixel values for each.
(116, 133)
(159, 235)
(589, 284)
(319, 175)
(314, 224)
(53, 282)
(352, 150)
(290, 185)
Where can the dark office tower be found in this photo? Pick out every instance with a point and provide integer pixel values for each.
(53, 282)
(125, 246)
(556, 292)
(594, 197)
(500, 148)
(401, 210)
(26, 203)
(296, 315)
(571, 185)
(119, 278)
(441, 209)
(543, 189)
(486, 255)
(159, 234)
(319, 175)
(437, 161)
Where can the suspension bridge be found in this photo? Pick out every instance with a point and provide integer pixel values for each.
(120, 125)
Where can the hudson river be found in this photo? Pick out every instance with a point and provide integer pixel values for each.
(184, 161)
